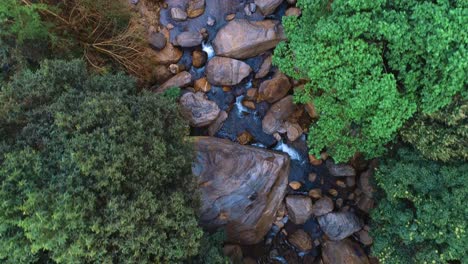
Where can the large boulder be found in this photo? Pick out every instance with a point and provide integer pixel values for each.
(241, 39)
(189, 39)
(278, 114)
(226, 71)
(344, 251)
(198, 110)
(339, 225)
(267, 7)
(241, 187)
(274, 89)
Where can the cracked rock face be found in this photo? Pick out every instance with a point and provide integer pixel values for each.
(241, 187)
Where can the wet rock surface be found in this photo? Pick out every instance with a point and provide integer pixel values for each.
(241, 187)
(344, 251)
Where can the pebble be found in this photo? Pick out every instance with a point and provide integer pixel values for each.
(312, 176)
(333, 192)
(315, 193)
(211, 21)
(178, 14)
(341, 184)
(314, 161)
(230, 17)
(295, 185)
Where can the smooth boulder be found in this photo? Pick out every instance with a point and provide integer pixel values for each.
(242, 39)
(299, 208)
(226, 71)
(189, 39)
(198, 110)
(180, 80)
(241, 187)
(274, 89)
(339, 225)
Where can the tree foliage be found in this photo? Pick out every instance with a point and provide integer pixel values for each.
(422, 215)
(91, 172)
(370, 65)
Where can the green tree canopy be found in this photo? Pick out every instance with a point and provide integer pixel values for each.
(91, 172)
(422, 214)
(370, 65)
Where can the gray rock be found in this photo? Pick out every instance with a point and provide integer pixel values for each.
(339, 225)
(340, 170)
(189, 39)
(299, 208)
(268, 7)
(211, 21)
(218, 123)
(198, 110)
(364, 183)
(322, 206)
(157, 40)
(242, 39)
(241, 187)
(226, 71)
(178, 14)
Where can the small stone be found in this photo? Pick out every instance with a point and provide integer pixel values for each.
(293, 130)
(170, 26)
(175, 68)
(299, 208)
(344, 251)
(314, 161)
(312, 176)
(247, 10)
(350, 181)
(322, 206)
(244, 138)
(301, 240)
(268, 7)
(295, 185)
(317, 242)
(189, 39)
(281, 212)
(315, 193)
(341, 184)
(199, 58)
(340, 170)
(230, 17)
(264, 68)
(365, 203)
(195, 8)
(249, 104)
(178, 14)
(324, 155)
(333, 192)
(351, 196)
(252, 93)
(293, 11)
(339, 202)
(211, 21)
(202, 84)
(226, 89)
(157, 40)
(365, 238)
(279, 224)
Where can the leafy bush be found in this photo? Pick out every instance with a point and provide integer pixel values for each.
(370, 65)
(422, 215)
(442, 135)
(91, 172)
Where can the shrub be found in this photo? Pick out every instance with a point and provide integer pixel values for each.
(442, 135)
(91, 172)
(370, 65)
(422, 215)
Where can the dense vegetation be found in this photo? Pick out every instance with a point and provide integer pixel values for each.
(92, 172)
(423, 214)
(372, 65)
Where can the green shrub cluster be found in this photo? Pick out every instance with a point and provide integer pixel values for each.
(422, 215)
(371, 65)
(91, 172)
